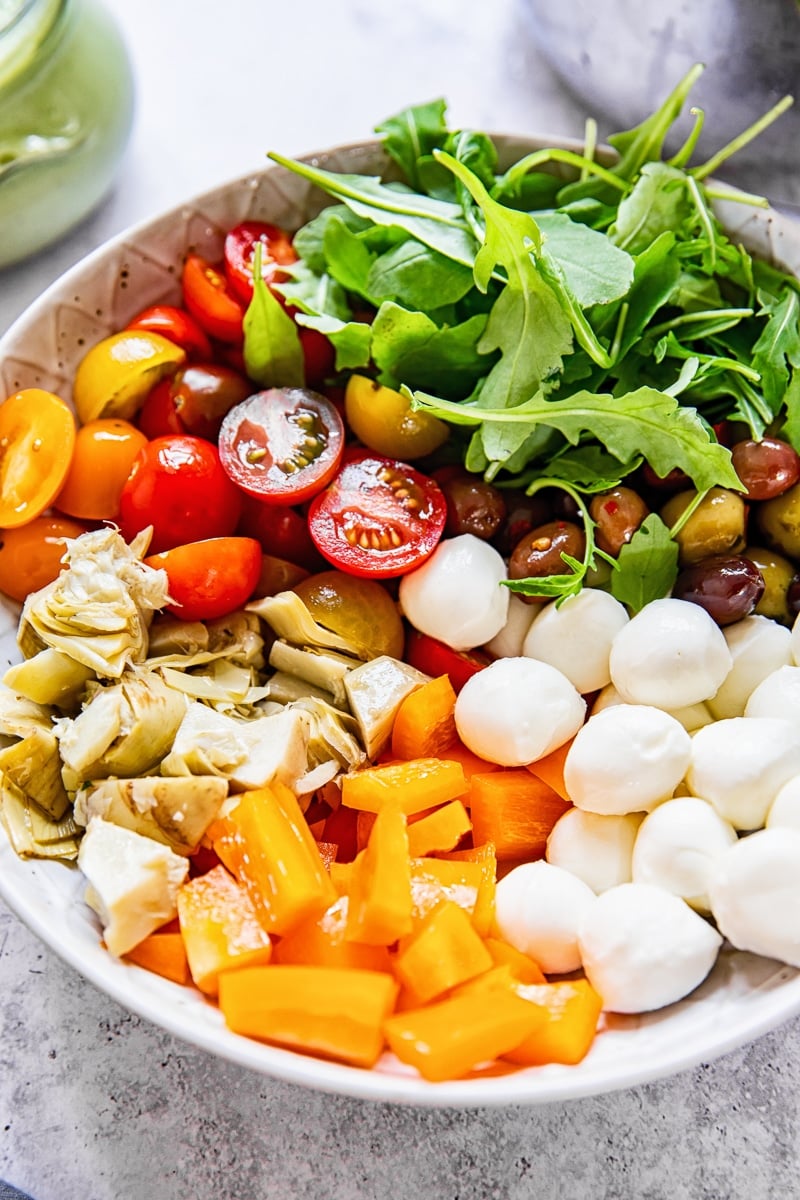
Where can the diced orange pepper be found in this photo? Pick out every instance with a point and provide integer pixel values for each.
(516, 811)
(163, 954)
(410, 786)
(471, 763)
(322, 943)
(281, 865)
(219, 927)
(522, 967)
(484, 855)
(550, 769)
(437, 879)
(335, 1013)
(327, 852)
(227, 843)
(424, 724)
(440, 830)
(364, 823)
(379, 895)
(341, 874)
(572, 1009)
(447, 1039)
(444, 952)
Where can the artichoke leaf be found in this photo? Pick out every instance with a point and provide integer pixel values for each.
(375, 692)
(50, 677)
(285, 688)
(18, 715)
(31, 832)
(222, 684)
(333, 735)
(325, 670)
(34, 766)
(186, 644)
(176, 811)
(289, 618)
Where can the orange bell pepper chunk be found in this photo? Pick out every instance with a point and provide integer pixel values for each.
(322, 943)
(440, 830)
(443, 953)
(281, 865)
(410, 786)
(424, 724)
(484, 856)
(436, 879)
(335, 1013)
(447, 1039)
(516, 811)
(379, 895)
(572, 1009)
(163, 954)
(219, 927)
(521, 966)
(550, 769)
(471, 763)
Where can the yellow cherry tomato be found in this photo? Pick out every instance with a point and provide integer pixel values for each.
(30, 556)
(384, 421)
(37, 435)
(360, 610)
(105, 451)
(115, 376)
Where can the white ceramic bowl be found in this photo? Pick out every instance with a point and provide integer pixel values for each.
(744, 997)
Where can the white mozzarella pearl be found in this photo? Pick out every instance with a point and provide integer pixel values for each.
(669, 655)
(643, 948)
(596, 848)
(677, 847)
(516, 711)
(626, 759)
(508, 642)
(795, 641)
(691, 717)
(758, 647)
(576, 637)
(456, 595)
(538, 909)
(784, 812)
(740, 764)
(777, 696)
(755, 894)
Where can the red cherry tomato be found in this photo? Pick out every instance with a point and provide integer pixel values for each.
(379, 517)
(193, 400)
(435, 658)
(318, 354)
(178, 486)
(282, 445)
(210, 578)
(210, 300)
(240, 243)
(158, 416)
(281, 531)
(177, 326)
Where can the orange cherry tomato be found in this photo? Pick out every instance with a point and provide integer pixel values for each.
(208, 297)
(104, 453)
(30, 556)
(37, 435)
(210, 578)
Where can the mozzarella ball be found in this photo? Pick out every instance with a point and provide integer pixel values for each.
(508, 642)
(597, 849)
(794, 638)
(516, 711)
(607, 697)
(784, 812)
(777, 696)
(456, 595)
(740, 765)
(755, 894)
(758, 647)
(576, 637)
(669, 655)
(691, 717)
(626, 759)
(643, 948)
(538, 909)
(677, 846)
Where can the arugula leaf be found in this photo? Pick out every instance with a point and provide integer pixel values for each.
(309, 241)
(350, 339)
(596, 270)
(647, 566)
(591, 468)
(778, 347)
(412, 134)
(656, 204)
(791, 428)
(313, 293)
(347, 257)
(417, 277)
(273, 355)
(409, 346)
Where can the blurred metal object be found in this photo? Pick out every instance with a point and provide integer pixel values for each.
(623, 57)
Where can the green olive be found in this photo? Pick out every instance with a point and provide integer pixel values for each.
(715, 527)
(778, 573)
(779, 521)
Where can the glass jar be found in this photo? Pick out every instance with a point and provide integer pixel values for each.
(66, 105)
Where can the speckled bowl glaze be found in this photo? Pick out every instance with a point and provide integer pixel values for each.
(744, 997)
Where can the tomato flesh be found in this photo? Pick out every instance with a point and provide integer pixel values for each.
(211, 302)
(240, 244)
(37, 436)
(282, 445)
(207, 579)
(379, 517)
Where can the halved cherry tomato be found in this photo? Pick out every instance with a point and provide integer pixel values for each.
(37, 436)
(178, 486)
(209, 578)
(435, 658)
(176, 325)
(276, 251)
(282, 445)
(211, 302)
(30, 556)
(282, 532)
(379, 517)
(104, 453)
(193, 401)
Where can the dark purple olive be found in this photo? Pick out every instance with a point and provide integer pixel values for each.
(523, 513)
(473, 506)
(617, 515)
(728, 587)
(767, 468)
(539, 553)
(793, 596)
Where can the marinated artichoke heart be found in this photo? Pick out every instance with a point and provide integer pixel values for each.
(176, 811)
(236, 638)
(18, 715)
(99, 609)
(289, 619)
(50, 677)
(323, 669)
(374, 692)
(34, 766)
(221, 683)
(333, 736)
(125, 729)
(32, 832)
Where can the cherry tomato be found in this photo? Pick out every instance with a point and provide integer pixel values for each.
(176, 325)
(240, 243)
(277, 575)
(178, 486)
(360, 610)
(104, 453)
(211, 302)
(282, 445)
(30, 556)
(435, 658)
(379, 517)
(318, 354)
(195, 400)
(158, 416)
(37, 436)
(282, 532)
(209, 578)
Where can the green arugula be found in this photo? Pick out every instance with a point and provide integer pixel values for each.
(647, 566)
(272, 352)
